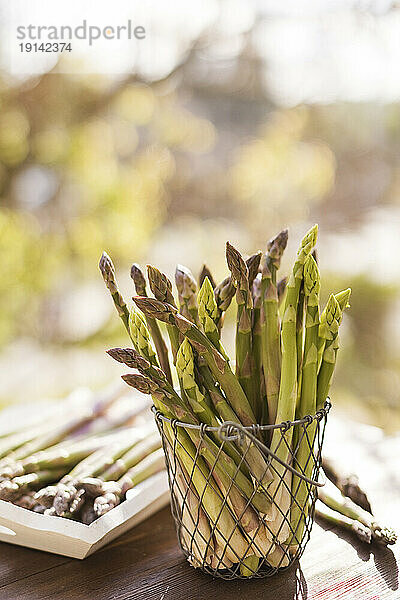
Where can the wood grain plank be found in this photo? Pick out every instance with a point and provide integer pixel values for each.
(146, 563)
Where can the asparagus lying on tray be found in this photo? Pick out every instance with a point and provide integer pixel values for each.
(45, 465)
(285, 358)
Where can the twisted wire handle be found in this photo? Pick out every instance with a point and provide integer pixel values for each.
(226, 433)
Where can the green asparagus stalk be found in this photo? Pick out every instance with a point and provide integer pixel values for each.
(343, 299)
(58, 456)
(222, 522)
(253, 456)
(154, 378)
(300, 334)
(196, 530)
(281, 289)
(150, 465)
(13, 447)
(256, 332)
(253, 528)
(347, 483)
(187, 292)
(244, 355)
(189, 387)
(141, 337)
(331, 496)
(335, 518)
(304, 439)
(205, 272)
(253, 266)
(131, 458)
(139, 280)
(209, 314)
(161, 287)
(329, 331)
(270, 324)
(108, 271)
(224, 294)
(288, 384)
(161, 348)
(13, 442)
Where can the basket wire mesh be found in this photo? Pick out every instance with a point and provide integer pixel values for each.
(232, 522)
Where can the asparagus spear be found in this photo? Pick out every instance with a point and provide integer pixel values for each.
(343, 301)
(256, 331)
(131, 458)
(161, 348)
(329, 331)
(141, 337)
(150, 465)
(300, 334)
(270, 325)
(187, 291)
(324, 333)
(224, 293)
(347, 483)
(223, 525)
(253, 266)
(209, 314)
(108, 271)
(58, 456)
(205, 272)
(304, 439)
(189, 387)
(288, 384)
(331, 496)
(281, 288)
(244, 357)
(335, 518)
(343, 298)
(196, 530)
(13, 442)
(162, 289)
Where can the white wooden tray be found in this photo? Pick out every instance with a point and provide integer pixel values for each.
(69, 538)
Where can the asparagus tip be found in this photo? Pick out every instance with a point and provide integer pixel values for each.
(138, 279)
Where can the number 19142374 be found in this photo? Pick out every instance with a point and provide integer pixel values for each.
(45, 47)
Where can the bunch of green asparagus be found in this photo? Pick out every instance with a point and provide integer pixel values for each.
(235, 503)
(79, 467)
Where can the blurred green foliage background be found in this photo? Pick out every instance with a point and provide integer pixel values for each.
(165, 171)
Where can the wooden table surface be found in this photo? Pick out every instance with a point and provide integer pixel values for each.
(146, 562)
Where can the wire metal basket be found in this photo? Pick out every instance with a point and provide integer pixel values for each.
(240, 510)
